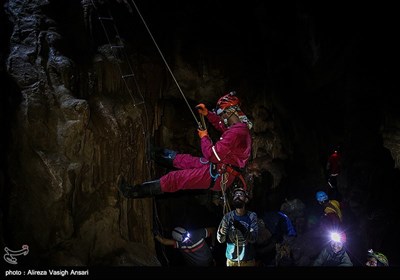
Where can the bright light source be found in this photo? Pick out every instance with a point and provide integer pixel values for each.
(335, 237)
(186, 237)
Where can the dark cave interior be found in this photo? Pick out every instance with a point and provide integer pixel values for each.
(329, 69)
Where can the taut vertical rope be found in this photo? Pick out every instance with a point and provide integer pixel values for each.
(224, 180)
(166, 64)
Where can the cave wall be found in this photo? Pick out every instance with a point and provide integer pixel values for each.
(74, 133)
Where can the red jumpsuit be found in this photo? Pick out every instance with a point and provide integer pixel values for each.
(233, 148)
(333, 164)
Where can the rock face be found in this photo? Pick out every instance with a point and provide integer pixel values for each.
(86, 95)
(75, 132)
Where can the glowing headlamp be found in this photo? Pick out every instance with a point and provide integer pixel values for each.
(370, 251)
(336, 237)
(187, 236)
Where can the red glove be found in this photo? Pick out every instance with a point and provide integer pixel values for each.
(202, 133)
(201, 108)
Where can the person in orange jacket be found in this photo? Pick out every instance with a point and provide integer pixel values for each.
(332, 216)
(222, 161)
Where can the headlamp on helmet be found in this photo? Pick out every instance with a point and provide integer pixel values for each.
(180, 234)
(338, 237)
(239, 190)
(239, 196)
(321, 196)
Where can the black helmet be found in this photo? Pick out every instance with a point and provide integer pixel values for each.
(179, 234)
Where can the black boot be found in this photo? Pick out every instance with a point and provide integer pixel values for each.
(124, 187)
(164, 157)
(147, 189)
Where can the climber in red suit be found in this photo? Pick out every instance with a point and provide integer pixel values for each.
(224, 158)
(333, 165)
(333, 168)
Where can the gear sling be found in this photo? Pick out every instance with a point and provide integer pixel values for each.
(217, 170)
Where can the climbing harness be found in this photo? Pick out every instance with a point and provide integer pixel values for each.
(224, 170)
(238, 174)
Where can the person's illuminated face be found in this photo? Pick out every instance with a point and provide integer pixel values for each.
(240, 194)
(336, 246)
(371, 262)
(239, 199)
(224, 117)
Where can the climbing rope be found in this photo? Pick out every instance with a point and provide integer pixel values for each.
(203, 122)
(166, 64)
(226, 208)
(118, 51)
(237, 248)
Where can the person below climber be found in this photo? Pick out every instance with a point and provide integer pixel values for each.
(334, 254)
(221, 162)
(333, 167)
(281, 232)
(332, 216)
(295, 210)
(376, 259)
(239, 229)
(192, 244)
